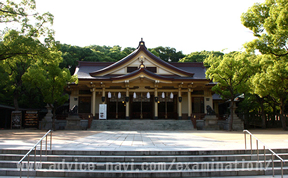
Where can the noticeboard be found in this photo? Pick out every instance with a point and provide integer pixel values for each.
(16, 119)
(102, 111)
(31, 119)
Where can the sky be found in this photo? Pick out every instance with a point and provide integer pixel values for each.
(186, 25)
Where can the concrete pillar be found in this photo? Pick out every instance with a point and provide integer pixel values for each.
(127, 103)
(179, 104)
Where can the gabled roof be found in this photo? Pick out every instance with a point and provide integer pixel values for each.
(144, 72)
(140, 48)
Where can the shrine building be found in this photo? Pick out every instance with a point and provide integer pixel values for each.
(142, 86)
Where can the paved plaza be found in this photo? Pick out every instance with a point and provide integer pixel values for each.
(143, 140)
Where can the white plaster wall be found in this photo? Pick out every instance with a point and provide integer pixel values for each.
(121, 71)
(161, 71)
(136, 63)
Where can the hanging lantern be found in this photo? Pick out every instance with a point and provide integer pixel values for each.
(163, 95)
(156, 99)
(171, 95)
(109, 94)
(119, 95)
(134, 95)
(148, 95)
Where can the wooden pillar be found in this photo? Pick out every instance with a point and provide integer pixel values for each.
(166, 115)
(103, 94)
(127, 103)
(93, 101)
(156, 103)
(179, 103)
(189, 103)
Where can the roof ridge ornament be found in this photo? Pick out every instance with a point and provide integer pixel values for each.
(141, 65)
(142, 43)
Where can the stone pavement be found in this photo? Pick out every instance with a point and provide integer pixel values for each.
(143, 140)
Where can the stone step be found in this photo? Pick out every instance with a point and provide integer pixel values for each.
(139, 165)
(260, 176)
(145, 124)
(139, 153)
(154, 158)
(140, 173)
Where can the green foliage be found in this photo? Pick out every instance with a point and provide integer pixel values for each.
(50, 79)
(271, 80)
(96, 53)
(32, 25)
(167, 54)
(16, 45)
(272, 73)
(15, 66)
(230, 72)
(269, 22)
(200, 56)
(21, 51)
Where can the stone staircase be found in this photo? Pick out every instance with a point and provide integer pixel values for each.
(145, 124)
(214, 163)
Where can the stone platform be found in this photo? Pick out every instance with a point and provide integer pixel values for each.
(141, 125)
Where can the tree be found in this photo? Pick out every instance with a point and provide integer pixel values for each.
(268, 22)
(167, 54)
(126, 51)
(200, 56)
(230, 72)
(31, 24)
(272, 81)
(50, 80)
(16, 66)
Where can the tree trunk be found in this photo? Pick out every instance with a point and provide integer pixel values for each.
(15, 100)
(282, 117)
(231, 114)
(263, 113)
(54, 117)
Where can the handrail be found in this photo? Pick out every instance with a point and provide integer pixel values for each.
(34, 147)
(264, 148)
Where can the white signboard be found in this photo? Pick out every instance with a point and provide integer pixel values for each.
(102, 111)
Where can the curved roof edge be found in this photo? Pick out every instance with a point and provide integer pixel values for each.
(143, 48)
(140, 70)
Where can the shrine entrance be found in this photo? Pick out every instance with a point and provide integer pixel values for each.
(141, 106)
